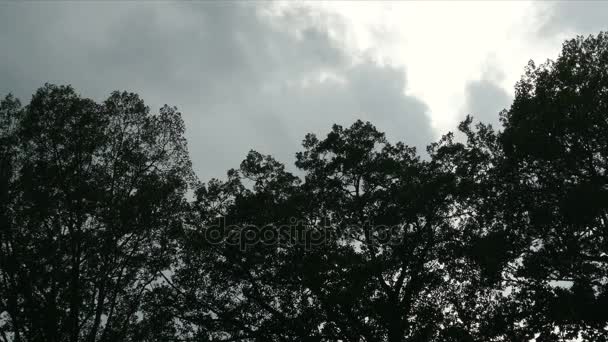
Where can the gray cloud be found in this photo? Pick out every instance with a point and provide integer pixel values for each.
(243, 79)
(485, 98)
(484, 101)
(582, 17)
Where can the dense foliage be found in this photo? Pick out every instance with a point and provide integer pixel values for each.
(107, 235)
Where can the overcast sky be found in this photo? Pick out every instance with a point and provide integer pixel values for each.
(261, 75)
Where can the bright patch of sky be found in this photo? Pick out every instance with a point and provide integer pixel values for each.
(443, 45)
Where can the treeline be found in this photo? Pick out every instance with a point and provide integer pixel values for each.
(107, 235)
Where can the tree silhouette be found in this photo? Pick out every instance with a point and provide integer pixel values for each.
(539, 197)
(91, 196)
(107, 235)
(381, 267)
(555, 146)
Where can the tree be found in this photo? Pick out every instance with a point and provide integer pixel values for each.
(228, 283)
(364, 249)
(92, 194)
(540, 197)
(391, 270)
(556, 149)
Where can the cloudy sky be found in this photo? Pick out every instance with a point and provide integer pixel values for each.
(261, 75)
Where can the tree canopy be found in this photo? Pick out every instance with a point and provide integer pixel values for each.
(498, 234)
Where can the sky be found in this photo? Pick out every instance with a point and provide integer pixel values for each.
(260, 75)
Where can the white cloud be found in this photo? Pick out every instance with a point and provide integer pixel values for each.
(445, 45)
